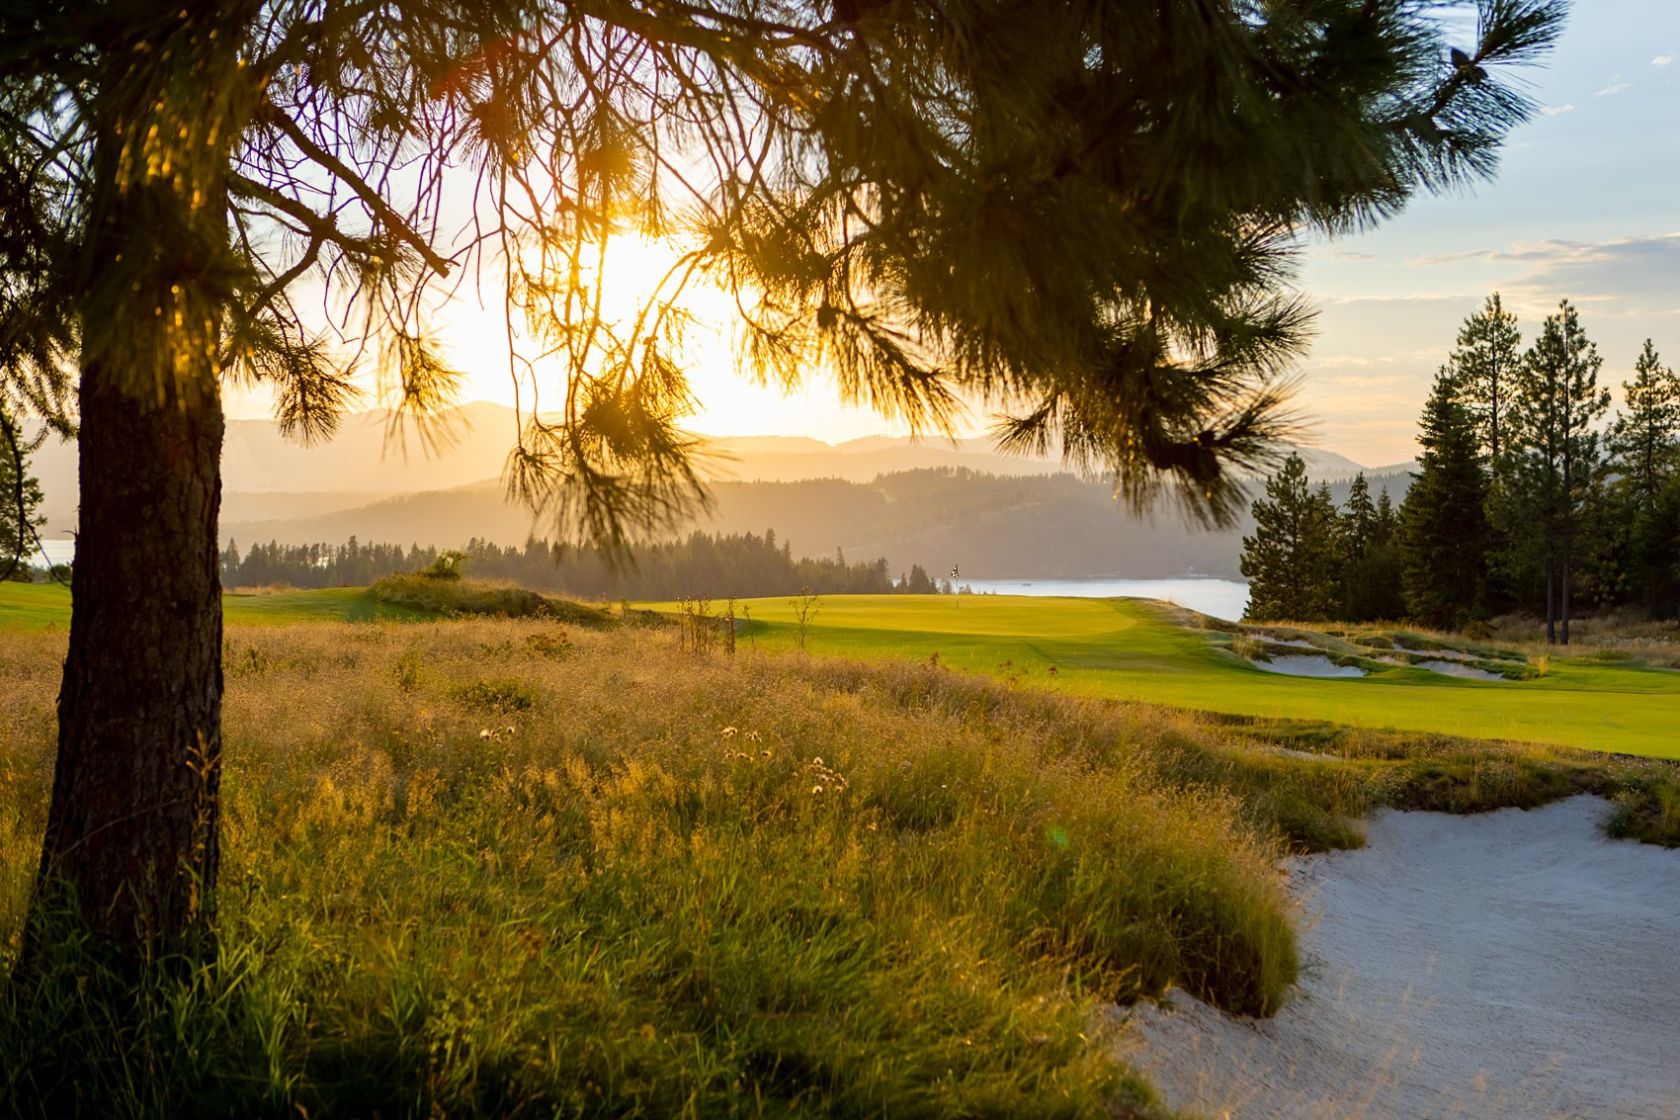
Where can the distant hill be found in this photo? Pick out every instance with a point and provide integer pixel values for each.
(994, 526)
(934, 503)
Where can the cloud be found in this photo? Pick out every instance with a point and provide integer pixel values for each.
(1637, 275)
(1374, 357)
(1662, 59)
(1556, 110)
(1612, 89)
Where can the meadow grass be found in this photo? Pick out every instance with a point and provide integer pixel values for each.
(455, 598)
(514, 867)
(510, 868)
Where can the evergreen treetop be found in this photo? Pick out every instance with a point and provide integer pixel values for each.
(1443, 525)
(1484, 365)
(1290, 561)
(1645, 438)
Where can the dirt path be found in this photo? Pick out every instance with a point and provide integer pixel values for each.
(1505, 965)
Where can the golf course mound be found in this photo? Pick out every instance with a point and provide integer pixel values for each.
(1510, 964)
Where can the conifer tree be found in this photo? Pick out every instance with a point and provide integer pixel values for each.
(1645, 439)
(1644, 444)
(1088, 207)
(1383, 584)
(1443, 527)
(1558, 472)
(20, 498)
(1484, 365)
(1290, 561)
(1358, 519)
(1388, 521)
(1370, 577)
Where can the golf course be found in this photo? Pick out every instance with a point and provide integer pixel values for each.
(1124, 649)
(1131, 649)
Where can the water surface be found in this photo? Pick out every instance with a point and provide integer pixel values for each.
(1221, 598)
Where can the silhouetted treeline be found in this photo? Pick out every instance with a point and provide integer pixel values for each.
(740, 564)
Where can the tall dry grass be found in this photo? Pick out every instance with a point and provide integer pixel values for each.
(518, 868)
(503, 868)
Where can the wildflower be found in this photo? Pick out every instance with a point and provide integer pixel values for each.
(484, 733)
(816, 789)
(754, 737)
(729, 733)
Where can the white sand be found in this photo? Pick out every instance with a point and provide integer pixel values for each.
(1316, 666)
(1458, 669)
(1292, 643)
(1510, 964)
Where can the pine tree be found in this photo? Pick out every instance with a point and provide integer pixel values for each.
(1017, 201)
(1645, 439)
(1370, 569)
(1359, 519)
(1443, 527)
(1644, 444)
(1484, 363)
(1484, 366)
(1290, 561)
(20, 498)
(1384, 564)
(1558, 472)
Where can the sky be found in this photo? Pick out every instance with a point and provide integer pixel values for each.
(1586, 206)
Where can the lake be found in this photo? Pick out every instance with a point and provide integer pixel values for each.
(1221, 598)
(58, 551)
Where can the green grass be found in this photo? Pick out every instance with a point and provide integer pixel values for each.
(26, 607)
(1119, 649)
(34, 607)
(1135, 650)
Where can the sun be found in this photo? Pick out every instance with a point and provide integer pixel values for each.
(728, 401)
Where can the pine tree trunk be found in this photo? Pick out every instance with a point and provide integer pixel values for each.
(1551, 619)
(1563, 593)
(131, 847)
(132, 831)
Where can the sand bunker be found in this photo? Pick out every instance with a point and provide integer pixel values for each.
(1458, 669)
(1505, 965)
(1319, 666)
(1292, 643)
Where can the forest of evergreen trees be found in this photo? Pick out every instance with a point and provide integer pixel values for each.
(1529, 497)
(743, 565)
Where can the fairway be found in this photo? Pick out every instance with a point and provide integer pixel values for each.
(1125, 649)
(1129, 649)
(41, 606)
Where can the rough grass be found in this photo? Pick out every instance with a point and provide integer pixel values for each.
(510, 868)
(618, 880)
(456, 598)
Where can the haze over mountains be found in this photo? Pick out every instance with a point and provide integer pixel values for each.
(933, 503)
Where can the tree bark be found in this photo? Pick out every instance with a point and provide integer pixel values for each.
(132, 831)
(132, 840)
(1551, 619)
(1563, 593)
